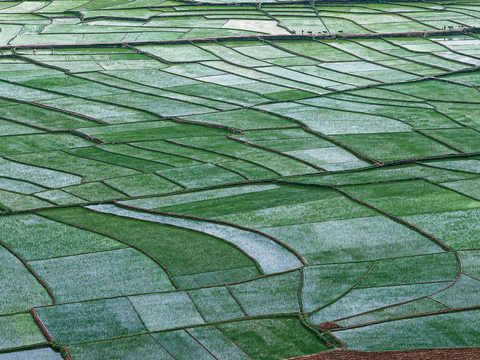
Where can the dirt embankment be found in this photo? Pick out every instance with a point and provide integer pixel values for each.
(427, 354)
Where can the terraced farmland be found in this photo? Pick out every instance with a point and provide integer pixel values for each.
(236, 180)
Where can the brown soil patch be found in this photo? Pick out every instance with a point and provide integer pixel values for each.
(427, 354)
(326, 326)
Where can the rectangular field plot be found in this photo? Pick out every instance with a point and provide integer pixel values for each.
(91, 170)
(59, 197)
(359, 301)
(465, 140)
(39, 142)
(299, 213)
(37, 175)
(287, 337)
(17, 186)
(182, 345)
(168, 156)
(184, 155)
(107, 113)
(242, 119)
(216, 304)
(218, 343)
(395, 146)
(143, 184)
(249, 170)
(102, 274)
(420, 306)
(134, 347)
(94, 191)
(15, 202)
(417, 269)
(195, 196)
(201, 176)
(19, 330)
(346, 240)
(423, 332)
(149, 131)
(217, 277)
(37, 238)
(216, 203)
(412, 197)
(457, 229)
(89, 321)
(438, 90)
(43, 353)
(11, 128)
(269, 295)
(402, 172)
(469, 165)
(166, 310)
(17, 279)
(112, 158)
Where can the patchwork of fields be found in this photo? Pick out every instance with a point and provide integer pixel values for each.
(86, 21)
(259, 195)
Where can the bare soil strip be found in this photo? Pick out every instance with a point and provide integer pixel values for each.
(426, 354)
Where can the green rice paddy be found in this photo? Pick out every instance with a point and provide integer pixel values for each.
(183, 180)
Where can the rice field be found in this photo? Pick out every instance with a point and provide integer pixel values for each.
(230, 181)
